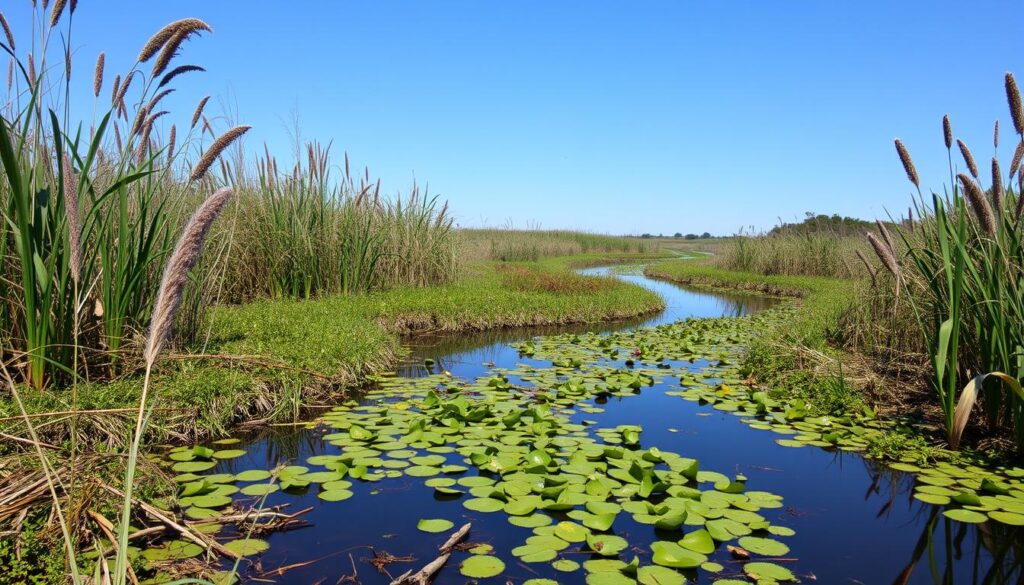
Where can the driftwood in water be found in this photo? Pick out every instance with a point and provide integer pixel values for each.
(426, 574)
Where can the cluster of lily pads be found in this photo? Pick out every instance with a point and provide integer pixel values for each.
(970, 493)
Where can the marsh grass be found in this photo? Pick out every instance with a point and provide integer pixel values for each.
(789, 253)
(510, 245)
(960, 269)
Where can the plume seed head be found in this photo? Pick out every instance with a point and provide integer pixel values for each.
(184, 257)
(199, 111)
(884, 254)
(908, 163)
(74, 221)
(968, 158)
(995, 135)
(998, 193)
(58, 9)
(979, 202)
(1016, 160)
(170, 144)
(178, 71)
(1016, 106)
(97, 78)
(7, 32)
(219, 146)
(158, 40)
(947, 131)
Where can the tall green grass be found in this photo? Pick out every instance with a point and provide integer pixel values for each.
(789, 253)
(960, 268)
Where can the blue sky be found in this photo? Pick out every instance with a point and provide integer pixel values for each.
(620, 117)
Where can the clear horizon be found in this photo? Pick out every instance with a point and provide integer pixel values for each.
(603, 117)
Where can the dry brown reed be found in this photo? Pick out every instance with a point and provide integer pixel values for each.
(979, 203)
(218, 147)
(1016, 105)
(867, 264)
(968, 158)
(947, 132)
(908, 163)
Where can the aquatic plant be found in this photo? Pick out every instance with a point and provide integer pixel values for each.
(960, 270)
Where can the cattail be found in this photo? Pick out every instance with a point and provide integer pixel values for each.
(172, 284)
(968, 158)
(97, 78)
(199, 111)
(1015, 161)
(947, 131)
(58, 9)
(997, 186)
(1016, 106)
(979, 202)
(884, 254)
(170, 144)
(74, 223)
(908, 164)
(995, 135)
(157, 41)
(7, 32)
(218, 146)
(178, 71)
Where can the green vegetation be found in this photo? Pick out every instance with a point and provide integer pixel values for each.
(509, 245)
(959, 267)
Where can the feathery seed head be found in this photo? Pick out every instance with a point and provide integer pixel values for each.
(97, 78)
(178, 71)
(998, 193)
(1016, 106)
(58, 9)
(968, 158)
(995, 135)
(170, 144)
(884, 254)
(74, 222)
(979, 202)
(199, 111)
(218, 147)
(157, 41)
(175, 276)
(908, 163)
(1016, 160)
(947, 132)
(7, 32)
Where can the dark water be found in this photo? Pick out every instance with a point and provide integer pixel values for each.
(854, 522)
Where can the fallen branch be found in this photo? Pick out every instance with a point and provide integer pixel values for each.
(196, 537)
(426, 574)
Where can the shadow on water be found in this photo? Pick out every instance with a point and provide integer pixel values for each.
(856, 522)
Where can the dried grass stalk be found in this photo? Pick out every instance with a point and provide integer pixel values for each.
(218, 147)
(968, 158)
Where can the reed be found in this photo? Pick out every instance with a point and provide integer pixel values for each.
(962, 270)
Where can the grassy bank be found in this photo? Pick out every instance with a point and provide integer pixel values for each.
(263, 360)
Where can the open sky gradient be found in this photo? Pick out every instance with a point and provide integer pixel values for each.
(620, 117)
